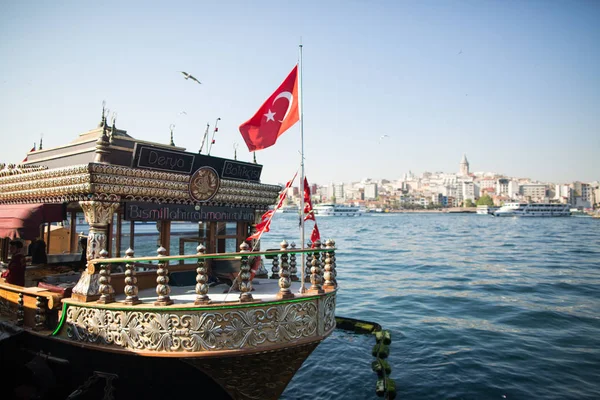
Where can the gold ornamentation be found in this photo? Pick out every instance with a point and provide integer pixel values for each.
(105, 182)
(204, 184)
(196, 331)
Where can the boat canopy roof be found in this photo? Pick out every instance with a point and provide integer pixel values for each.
(23, 220)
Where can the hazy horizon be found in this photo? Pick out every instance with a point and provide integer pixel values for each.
(514, 85)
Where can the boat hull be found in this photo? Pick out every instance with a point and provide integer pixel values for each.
(27, 367)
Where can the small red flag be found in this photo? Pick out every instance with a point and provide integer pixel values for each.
(274, 117)
(265, 220)
(213, 141)
(315, 235)
(308, 208)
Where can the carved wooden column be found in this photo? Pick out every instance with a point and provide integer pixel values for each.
(244, 276)
(284, 273)
(162, 281)
(131, 289)
(316, 278)
(98, 215)
(201, 279)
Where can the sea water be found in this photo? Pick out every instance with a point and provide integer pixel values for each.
(478, 307)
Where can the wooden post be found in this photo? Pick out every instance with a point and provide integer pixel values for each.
(131, 234)
(73, 233)
(119, 234)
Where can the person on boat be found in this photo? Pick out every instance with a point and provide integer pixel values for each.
(37, 252)
(15, 274)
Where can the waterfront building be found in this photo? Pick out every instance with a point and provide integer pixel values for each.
(536, 192)
(371, 191)
(507, 187)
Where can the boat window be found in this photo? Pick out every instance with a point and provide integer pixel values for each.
(226, 237)
(190, 236)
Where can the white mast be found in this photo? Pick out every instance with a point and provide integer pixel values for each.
(301, 112)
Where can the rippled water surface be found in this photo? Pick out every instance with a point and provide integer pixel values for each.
(478, 307)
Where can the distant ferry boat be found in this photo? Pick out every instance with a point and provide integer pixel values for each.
(533, 210)
(331, 209)
(291, 209)
(486, 210)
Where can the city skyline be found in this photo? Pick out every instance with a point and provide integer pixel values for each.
(387, 87)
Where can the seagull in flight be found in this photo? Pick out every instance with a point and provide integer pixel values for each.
(460, 52)
(189, 76)
(382, 136)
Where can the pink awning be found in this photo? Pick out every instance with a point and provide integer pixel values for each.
(24, 220)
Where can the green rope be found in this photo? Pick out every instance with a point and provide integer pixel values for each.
(385, 386)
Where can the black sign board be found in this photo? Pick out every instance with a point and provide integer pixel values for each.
(137, 211)
(161, 159)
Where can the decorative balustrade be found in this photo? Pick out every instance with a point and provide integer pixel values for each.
(319, 271)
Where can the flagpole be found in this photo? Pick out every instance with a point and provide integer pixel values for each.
(301, 112)
(213, 136)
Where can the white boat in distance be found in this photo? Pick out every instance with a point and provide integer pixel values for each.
(533, 210)
(486, 210)
(337, 210)
(289, 209)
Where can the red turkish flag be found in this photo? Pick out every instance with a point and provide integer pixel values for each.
(315, 235)
(308, 208)
(274, 117)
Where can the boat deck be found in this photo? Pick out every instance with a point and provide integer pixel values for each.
(263, 290)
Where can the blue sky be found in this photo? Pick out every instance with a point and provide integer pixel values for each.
(513, 84)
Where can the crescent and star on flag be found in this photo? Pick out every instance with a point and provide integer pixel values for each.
(270, 114)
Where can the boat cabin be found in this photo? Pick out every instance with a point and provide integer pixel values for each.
(108, 190)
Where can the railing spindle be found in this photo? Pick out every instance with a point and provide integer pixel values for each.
(21, 310)
(162, 281)
(40, 312)
(201, 278)
(131, 289)
(316, 275)
(328, 274)
(308, 264)
(244, 275)
(275, 268)
(293, 264)
(284, 280)
(106, 290)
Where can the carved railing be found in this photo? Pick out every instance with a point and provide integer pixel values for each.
(33, 308)
(321, 259)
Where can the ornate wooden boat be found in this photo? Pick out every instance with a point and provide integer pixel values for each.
(152, 325)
